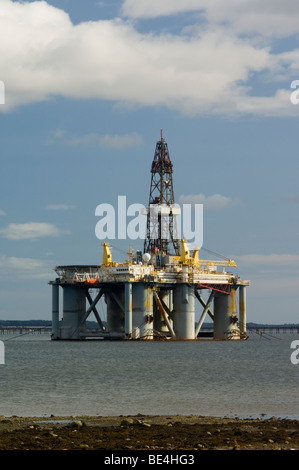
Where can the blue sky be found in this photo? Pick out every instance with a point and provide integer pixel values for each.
(88, 87)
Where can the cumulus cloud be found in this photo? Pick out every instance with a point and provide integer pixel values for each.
(155, 8)
(273, 18)
(213, 202)
(264, 17)
(30, 268)
(200, 70)
(270, 259)
(2, 92)
(275, 286)
(108, 141)
(30, 231)
(60, 207)
(292, 198)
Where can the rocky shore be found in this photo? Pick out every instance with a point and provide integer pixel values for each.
(130, 433)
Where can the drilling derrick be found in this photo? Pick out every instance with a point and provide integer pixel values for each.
(151, 295)
(161, 235)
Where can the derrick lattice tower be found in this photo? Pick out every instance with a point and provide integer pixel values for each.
(161, 234)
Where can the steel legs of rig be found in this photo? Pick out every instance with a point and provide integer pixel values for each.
(74, 310)
(130, 311)
(142, 310)
(55, 311)
(163, 306)
(138, 310)
(115, 311)
(242, 309)
(184, 311)
(225, 316)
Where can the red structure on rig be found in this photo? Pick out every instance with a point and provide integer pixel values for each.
(161, 236)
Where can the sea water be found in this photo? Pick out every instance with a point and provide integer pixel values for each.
(252, 378)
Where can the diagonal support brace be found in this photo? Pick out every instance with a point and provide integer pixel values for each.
(205, 311)
(203, 304)
(92, 306)
(164, 313)
(95, 311)
(115, 297)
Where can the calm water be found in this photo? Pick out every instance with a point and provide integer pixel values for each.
(242, 378)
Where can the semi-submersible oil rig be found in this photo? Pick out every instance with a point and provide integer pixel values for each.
(152, 295)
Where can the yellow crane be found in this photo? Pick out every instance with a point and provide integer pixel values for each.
(186, 258)
(107, 256)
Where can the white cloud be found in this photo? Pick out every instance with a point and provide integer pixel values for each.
(30, 230)
(264, 17)
(108, 141)
(2, 92)
(29, 268)
(291, 198)
(2, 212)
(275, 287)
(120, 141)
(273, 259)
(277, 105)
(155, 8)
(201, 70)
(55, 136)
(60, 207)
(213, 202)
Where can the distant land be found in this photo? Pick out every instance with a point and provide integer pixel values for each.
(94, 324)
(40, 323)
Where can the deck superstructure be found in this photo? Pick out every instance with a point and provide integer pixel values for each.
(154, 294)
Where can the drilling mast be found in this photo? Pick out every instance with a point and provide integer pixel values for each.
(161, 235)
(151, 296)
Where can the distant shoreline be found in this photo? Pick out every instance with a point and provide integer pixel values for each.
(94, 324)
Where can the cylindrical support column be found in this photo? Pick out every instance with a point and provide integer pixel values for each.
(142, 311)
(160, 323)
(115, 313)
(170, 300)
(242, 309)
(74, 309)
(55, 311)
(225, 316)
(128, 308)
(204, 313)
(184, 312)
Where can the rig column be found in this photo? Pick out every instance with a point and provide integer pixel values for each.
(55, 311)
(116, 311)
(160, 324)
(184, 312)
(225, 316)
(128, 308)
(142, 327)
(74, 310)
(242, 309)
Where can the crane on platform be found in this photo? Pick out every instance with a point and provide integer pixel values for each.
(186, 258)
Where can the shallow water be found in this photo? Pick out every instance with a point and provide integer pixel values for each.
(252, 378)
